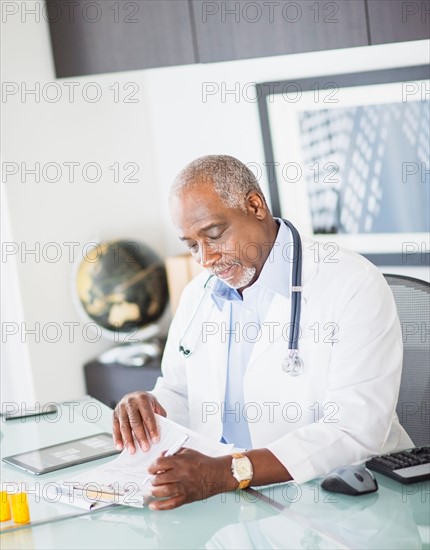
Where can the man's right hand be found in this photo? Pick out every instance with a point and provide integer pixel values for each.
(135, 414)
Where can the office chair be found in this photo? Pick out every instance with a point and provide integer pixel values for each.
(412, 297)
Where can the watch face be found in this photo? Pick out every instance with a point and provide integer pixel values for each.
(243, 468)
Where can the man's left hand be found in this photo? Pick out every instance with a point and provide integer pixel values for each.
(188, 476)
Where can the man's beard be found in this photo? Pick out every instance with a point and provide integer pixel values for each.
(246, 276)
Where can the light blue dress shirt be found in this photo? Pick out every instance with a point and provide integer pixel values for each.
(247, 312)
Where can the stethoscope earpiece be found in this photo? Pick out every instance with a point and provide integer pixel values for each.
(185, 352)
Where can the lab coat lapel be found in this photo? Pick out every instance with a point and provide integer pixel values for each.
(275, 324)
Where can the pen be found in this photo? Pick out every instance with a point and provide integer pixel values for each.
(99, 490)
(170, 452)
(175, 448)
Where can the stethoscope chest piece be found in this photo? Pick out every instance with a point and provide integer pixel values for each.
(293, 364)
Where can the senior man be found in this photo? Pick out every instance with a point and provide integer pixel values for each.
(226, 367)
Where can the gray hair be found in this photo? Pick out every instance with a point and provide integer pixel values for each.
(231, 179)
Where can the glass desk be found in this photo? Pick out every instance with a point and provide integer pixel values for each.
(284, 516)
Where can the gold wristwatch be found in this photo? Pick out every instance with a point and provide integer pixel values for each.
(241, 468)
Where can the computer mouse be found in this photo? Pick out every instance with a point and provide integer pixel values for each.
(350, 480)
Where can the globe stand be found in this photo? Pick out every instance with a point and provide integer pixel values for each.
(133, 354)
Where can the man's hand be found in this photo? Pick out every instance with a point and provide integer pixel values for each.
(188, 476)
(135, 414)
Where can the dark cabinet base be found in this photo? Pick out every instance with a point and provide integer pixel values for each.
(109, 383)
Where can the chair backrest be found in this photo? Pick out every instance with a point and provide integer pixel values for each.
(412, 297)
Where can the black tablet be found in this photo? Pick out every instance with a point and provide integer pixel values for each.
(63, 455)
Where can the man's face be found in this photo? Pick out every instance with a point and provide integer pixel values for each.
(229, 242)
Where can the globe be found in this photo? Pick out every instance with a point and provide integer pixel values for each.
(122, 286)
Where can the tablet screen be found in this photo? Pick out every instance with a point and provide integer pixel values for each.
(70, 453)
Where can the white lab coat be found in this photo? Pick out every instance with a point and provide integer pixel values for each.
(340, 410)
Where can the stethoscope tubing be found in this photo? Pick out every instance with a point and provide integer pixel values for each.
(296, 288)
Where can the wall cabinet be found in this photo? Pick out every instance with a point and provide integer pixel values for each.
(107, 36)
(228, 30)
(90, 37)
(398, 20)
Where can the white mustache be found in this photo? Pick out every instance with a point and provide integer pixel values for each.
(223, 267)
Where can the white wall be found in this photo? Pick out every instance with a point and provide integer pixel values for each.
(16, 376)
(187, 124)
(61, 212)
(169, 126)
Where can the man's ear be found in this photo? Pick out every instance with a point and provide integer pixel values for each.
(256, 205)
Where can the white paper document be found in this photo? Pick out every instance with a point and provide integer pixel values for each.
(124, 480)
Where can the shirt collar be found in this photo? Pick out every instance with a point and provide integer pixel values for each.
(273, 276)
(221, 293)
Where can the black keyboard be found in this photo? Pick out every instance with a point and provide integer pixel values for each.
(405, 466)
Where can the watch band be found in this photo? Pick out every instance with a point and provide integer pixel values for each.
(244, 484)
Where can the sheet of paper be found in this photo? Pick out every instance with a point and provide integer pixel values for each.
(198, 442)
(125, 477)
(61, 494)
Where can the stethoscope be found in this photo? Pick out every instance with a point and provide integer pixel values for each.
(292, 364)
